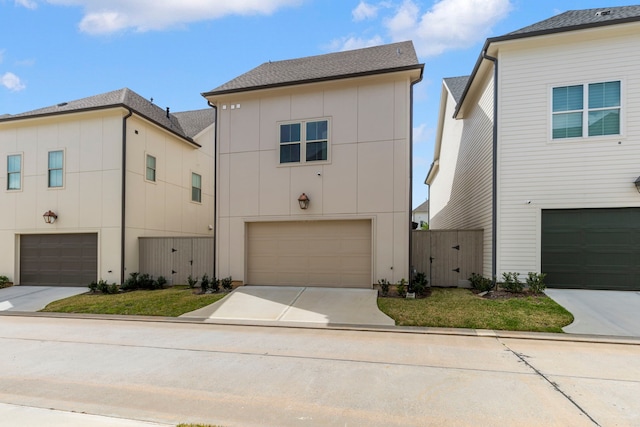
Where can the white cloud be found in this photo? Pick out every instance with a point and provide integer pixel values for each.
(350, 43)
(11, 82)
(422, 133)
(449, 24)
(364, 11)
(29, 4)
(108, 16)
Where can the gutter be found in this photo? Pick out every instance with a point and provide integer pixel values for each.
(124, 193)
(215, 188)
(413, 83)
(494, 172)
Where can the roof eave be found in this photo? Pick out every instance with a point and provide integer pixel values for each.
(316, 80)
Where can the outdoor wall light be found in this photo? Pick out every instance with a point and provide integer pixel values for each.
(49, 217)
(637, 183)
(304, 201)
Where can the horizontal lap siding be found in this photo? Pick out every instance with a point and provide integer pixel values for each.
(590, 172)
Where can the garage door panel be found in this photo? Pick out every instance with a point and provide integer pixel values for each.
(312, 253)
(592, 248)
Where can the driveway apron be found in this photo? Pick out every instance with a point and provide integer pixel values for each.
(34, 298)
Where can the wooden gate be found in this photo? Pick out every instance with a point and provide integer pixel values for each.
(176, 258)
(447, 257)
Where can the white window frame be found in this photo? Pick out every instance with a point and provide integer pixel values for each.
(49, 169)
(304, 141)
(146, 167)
(20, 172)
(199, 201)
(585, 110)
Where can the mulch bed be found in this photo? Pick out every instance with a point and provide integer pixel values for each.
(502, 294)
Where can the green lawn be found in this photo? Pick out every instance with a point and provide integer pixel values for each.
(460, 308)
(171, 302)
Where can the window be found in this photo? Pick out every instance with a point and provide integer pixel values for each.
(56, 161)
(305, 141)
(196, 188)
(601, 116)
(151, 168)
(14, 172)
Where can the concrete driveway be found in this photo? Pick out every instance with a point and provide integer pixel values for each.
(288, 305)
(34, 298)
(615, 313)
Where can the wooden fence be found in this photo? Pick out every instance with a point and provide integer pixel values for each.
(447, 257)
(176, 258)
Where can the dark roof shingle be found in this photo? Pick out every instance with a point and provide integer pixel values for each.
(456, 86)
(330, 66)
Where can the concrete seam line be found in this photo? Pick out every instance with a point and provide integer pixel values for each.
(553, 384)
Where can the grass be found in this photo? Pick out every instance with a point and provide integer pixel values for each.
(460, 308)
(170, 302)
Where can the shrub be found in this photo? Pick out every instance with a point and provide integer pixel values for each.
(112, 289)
(535, 282)
(104, 287)
(214, 285)
(227, 283)
(401, 288)
(204, 283)
(511, 283)
(480, 283)
(192, 282)
(4, 280)
(160, 282)
(419, 284)
(93, 286)
(384, 287)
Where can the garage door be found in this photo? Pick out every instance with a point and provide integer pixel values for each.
(310, 253)
(592, 248)
(58, 259)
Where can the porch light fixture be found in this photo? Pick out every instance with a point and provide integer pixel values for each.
(304, 201)
(637, 183)
(50, 217)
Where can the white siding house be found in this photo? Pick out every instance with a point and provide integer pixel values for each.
(567, 144)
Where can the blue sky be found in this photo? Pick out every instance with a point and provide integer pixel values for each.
(172, 50)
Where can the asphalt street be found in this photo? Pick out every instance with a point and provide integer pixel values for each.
(170, 372)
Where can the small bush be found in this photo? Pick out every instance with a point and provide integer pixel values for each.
(93, 286)
(401, 288)
(480, 283)
(384, 287)
(4, 282)
(204, 283)
(419, 284)
(214, 285)
(104, 287)
(511, 282)
(192, 282)
(161, 282)
(535, 282)
(227, 283)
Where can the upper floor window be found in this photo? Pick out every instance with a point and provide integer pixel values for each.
(151, 168)
(304, 141)
(601, 116)
(14, 172)
(56, 168)
(196, 187)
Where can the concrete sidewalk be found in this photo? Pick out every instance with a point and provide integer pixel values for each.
(280, 305)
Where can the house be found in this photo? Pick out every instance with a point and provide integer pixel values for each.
(539, 147)
(82, 181)
(313, 161)
(420, 215)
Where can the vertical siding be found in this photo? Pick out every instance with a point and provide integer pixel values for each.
(557, 174)
(462, 190)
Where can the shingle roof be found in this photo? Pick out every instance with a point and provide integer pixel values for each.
(371, 60)
(574, 19)
(185, 125)
(424, 207)
(456, 86)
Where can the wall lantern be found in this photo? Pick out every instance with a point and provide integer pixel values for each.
(49, 217)
(304, 201)
(638, 184)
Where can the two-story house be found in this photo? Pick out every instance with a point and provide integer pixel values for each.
(313, 181)
(82, 181)
(540, 147)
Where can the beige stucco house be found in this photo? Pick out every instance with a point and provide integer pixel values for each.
(336, 129)
(110, 168)
(540, 147)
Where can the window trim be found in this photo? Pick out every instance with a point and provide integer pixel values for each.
(49, 169)
(585, 110)
(146, 168)
(199, 201)
(303, 142)
(20, 171)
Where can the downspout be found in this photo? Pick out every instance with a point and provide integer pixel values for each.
(494, 184)
(411, 176)
(124, 192)
(215, 187)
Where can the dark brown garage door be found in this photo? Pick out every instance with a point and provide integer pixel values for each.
(592, 248)
(58, 259)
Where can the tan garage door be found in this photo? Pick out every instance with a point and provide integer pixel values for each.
(310, 253)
